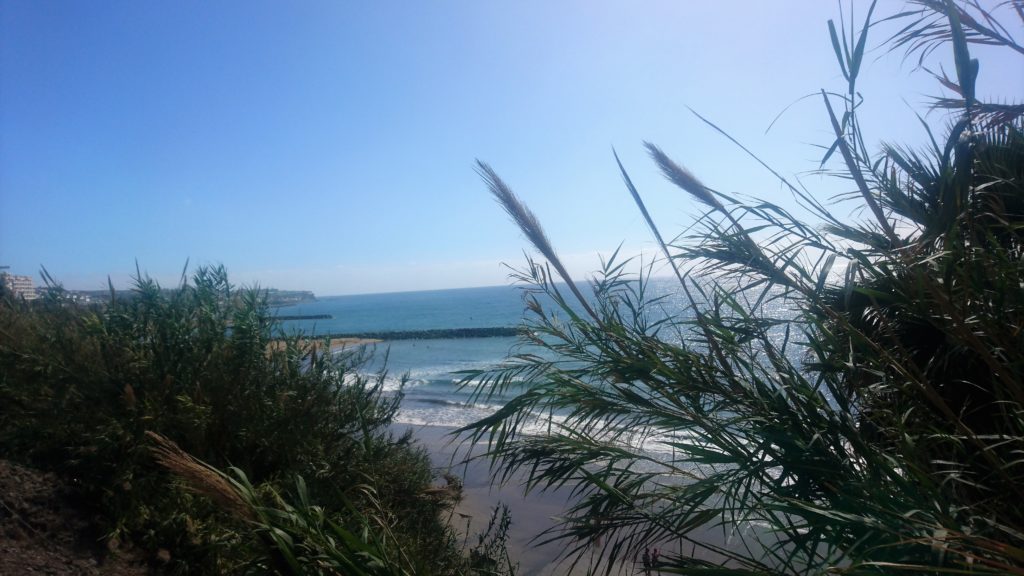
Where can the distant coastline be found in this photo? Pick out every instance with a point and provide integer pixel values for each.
(275, 298)
(278, 298)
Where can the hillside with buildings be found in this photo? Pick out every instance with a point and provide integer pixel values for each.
(23, 286)
(19, 285)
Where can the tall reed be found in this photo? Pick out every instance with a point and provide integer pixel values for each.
(842, 396)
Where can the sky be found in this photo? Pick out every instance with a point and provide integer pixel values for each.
(330, 145)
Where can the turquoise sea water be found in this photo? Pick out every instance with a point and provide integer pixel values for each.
(431, 366)
(404, 311)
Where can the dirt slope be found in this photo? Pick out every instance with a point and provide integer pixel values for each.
(41, 533)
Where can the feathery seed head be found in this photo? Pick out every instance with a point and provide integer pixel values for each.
(681, 176)
(199, 476)
(523, 217)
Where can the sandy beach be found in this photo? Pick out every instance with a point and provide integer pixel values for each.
(531, 515)
(335, 343)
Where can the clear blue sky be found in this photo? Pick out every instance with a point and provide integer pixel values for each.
(329, 145)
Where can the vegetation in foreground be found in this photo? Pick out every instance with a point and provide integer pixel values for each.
(144, 402)
(880, 429)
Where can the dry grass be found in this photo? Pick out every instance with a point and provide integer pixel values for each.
(200, 477)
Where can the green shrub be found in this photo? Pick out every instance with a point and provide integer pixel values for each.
(81, 386)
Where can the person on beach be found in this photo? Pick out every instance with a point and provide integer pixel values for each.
(650, 560)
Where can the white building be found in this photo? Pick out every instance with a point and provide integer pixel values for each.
(21, 286)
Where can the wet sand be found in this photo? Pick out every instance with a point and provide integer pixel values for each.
(531, 515)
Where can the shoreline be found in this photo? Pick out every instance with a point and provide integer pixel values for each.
(334, 344)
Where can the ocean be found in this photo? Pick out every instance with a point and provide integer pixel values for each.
(431, 366)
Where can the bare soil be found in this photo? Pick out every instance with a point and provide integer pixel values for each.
(41, 532)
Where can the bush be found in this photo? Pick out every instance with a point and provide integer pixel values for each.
(81, 386)
(864, 422)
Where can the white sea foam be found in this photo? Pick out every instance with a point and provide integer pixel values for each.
(390, 384)
(486, 383)
(449, 414)
(655, 445)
